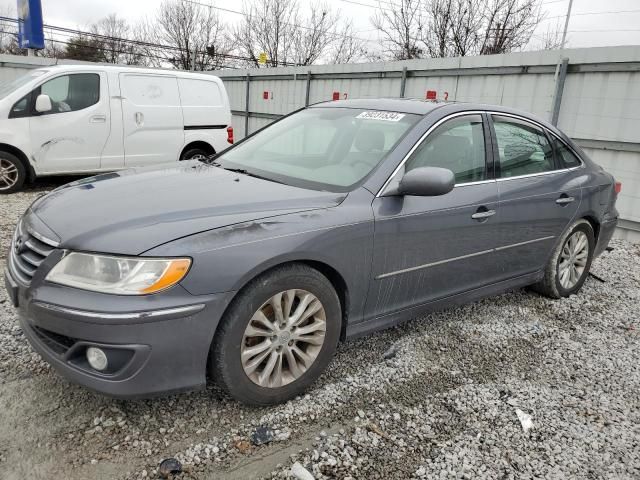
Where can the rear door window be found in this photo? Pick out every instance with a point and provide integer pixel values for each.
(523, 148)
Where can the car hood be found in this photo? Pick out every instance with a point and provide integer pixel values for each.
(132, 211)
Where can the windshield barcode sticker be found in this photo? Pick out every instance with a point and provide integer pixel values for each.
(386, 116)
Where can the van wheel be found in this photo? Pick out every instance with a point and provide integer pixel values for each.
(277, 337)
(12, 173)
(195, 154)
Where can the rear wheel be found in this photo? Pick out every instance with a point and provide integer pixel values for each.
(277, 337)
(570, 262)
(12, 173)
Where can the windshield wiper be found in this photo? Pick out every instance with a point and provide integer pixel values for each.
(243, 171)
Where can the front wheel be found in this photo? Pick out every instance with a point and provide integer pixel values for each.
(12, 173)
(277, 337)
(569, 265)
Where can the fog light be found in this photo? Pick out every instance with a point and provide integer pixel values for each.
(97, 359)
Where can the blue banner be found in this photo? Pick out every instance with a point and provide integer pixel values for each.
(30, 32)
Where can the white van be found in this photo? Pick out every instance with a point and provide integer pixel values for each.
(73, 119)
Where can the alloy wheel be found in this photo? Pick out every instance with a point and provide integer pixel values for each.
(283, 338)
(8, 174)
(573, 259)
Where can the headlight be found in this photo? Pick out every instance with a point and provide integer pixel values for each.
(119, 275)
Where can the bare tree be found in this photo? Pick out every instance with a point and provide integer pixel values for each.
(509, 25)
(551, 39)
(194, 33)
(443, 28)
(288, 36)
(115, 35)
(401, 29)
(347, 48)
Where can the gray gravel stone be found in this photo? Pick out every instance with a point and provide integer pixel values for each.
(442, 406)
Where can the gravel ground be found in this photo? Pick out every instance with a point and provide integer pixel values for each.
(434, 398)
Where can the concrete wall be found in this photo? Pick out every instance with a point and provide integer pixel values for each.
(599, 108)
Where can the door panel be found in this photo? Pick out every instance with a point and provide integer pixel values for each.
(537, 197)
(72, 136)
(152, 119)
(427, 248)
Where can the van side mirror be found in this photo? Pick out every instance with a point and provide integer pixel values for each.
(427, 182)
(43, 103)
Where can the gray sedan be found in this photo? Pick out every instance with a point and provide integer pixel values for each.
(334, 221)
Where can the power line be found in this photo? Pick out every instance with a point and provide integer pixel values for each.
(637, 10)
(139, 43)
(304, 27)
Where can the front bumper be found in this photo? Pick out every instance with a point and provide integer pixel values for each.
(156, 344)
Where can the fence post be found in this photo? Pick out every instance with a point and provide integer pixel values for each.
(403, 81)
(557, 97)
(308, 87)
(246, 106)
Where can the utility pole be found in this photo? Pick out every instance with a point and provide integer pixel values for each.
(557, 96)
(566, 25)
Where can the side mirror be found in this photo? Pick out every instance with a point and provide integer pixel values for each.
(427, 182)
(43, 103)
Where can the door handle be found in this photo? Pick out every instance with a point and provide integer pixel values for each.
(565, 200)
(99, 118)
(139, 117)
(483, 214)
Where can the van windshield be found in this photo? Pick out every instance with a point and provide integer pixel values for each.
(7, 87)
(320, 148)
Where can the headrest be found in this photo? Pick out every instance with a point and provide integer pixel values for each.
(369, 140)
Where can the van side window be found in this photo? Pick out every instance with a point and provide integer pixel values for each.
(70, 93)
(20, 109)
(565, 156)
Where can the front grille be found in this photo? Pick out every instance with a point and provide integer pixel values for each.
(27, 253)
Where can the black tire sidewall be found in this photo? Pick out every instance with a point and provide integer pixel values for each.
(22, 172)
(189, 154)
(229, 338)
(586, 228)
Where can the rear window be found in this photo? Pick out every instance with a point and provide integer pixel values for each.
(199, 93)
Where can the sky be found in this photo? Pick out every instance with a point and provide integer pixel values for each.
(592, 23)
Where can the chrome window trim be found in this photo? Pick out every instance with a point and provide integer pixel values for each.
(419, 142)
(539, 174)
(480, 112)
(462, 257)
(122, 316)
(545, 129)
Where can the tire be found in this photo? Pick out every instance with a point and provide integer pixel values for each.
(13, 173)
(552, 284)
(195, 153)
(232, 341)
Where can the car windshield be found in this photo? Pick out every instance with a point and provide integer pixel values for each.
(324, 148)
(7, 87)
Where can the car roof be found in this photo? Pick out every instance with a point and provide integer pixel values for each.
(424, 107)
